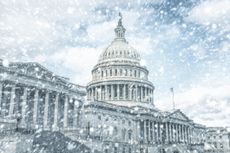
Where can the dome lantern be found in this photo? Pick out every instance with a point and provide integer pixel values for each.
(120, 30)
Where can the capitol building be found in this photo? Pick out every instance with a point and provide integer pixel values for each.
(114, 113)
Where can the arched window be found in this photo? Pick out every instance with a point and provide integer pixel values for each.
(126, 72)
(115, 131)
(115, 72)
(130, 134)
(123, 134)
(106, 73)
(110, 72)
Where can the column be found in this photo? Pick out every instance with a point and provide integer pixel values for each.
(36, 98)
(124, 91)
(177, 133)
(76, 117)
(173, 133)
(192, 138)
(136, 99)
(96, 93)
(24, 100)
(91, 94)
(147, 131)
(130, 92)
(148, 94)
(12, 101)
(166, 132)
(100, 92)
(150, 140)
(141, 98)
(175, 129)
(181, 133)
(46, 109)
(179, 127)
(56, 112)
(153, 97)
(145, 98)
(118, 91)
(187, 134)
(1, 85)
(106, 92)
(112, 92)
(89, 98)
(154, 132)
(159, 132)
(144, 122)
(66, 105)
(170, 132)
(151, 129)
(184, 133)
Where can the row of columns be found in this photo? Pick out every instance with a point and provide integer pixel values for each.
(36, 108)
(121, 92)
(164, 133)
(118, 72)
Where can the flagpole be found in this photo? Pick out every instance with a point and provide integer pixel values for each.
(173, 101)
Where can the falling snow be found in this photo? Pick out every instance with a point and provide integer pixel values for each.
(184, 45)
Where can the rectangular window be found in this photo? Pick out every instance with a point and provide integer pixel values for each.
(123, 151)
(130, 150)
(115, 149)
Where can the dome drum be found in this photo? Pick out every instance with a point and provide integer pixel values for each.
(121, 91)
(113, 71)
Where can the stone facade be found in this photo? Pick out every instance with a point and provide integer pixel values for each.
(218, 140)
(118, 115)
(37, 99)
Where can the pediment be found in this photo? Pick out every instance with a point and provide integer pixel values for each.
(179, 115)
(33, 69)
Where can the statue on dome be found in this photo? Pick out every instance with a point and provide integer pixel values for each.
(120, 20)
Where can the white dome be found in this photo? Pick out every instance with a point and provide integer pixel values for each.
(121, 50)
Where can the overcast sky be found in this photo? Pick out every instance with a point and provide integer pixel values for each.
(185, 45)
